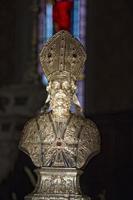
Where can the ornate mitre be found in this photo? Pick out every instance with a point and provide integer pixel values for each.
(63, 55)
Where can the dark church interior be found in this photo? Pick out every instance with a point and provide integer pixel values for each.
(108, 96)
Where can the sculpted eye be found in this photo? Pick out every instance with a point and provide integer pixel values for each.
(55, 85)
(66, 85)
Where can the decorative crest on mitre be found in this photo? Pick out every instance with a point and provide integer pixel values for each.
(63, 55)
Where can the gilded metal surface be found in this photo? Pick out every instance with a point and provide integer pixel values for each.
(60, 142)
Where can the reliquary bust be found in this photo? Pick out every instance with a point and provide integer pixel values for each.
(59, 138)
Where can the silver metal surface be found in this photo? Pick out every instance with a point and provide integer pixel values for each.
(59, 142)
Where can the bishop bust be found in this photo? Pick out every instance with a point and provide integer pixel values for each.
(59, 139)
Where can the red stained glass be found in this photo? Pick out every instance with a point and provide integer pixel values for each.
(62, 15)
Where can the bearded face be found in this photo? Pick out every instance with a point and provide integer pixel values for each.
(61, 93)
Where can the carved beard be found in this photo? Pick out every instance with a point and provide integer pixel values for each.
(60, 103)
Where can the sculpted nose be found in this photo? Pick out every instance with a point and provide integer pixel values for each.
(59, 102)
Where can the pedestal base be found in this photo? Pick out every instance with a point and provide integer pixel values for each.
(56, 197)
(57, 184)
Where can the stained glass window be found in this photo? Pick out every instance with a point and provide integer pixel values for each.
(58, 15)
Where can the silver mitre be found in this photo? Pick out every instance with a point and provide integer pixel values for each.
(60, 150)
(63, 54)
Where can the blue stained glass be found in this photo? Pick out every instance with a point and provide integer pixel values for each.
(49, 21)
(76, 19)
(44, 79)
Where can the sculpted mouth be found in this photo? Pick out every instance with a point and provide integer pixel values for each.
(60, 95)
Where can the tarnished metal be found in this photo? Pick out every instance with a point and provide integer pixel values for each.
(59, 142)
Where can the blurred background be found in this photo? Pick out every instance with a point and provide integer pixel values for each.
(106, 94)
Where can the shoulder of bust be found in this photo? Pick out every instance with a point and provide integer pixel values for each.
(36, 120)
(90, 123)
(89, 142)
(78, 118)
(30, 132)
(84, 121)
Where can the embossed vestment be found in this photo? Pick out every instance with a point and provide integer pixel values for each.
(52, 144)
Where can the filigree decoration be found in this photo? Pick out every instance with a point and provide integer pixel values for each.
(77, 144)
(57, 54)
